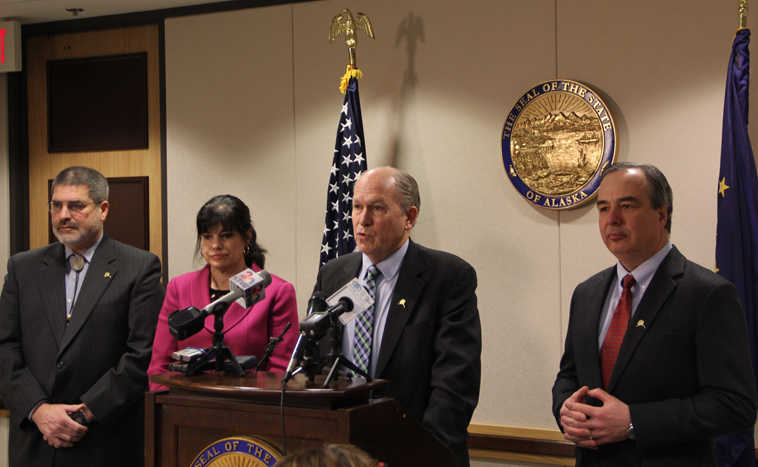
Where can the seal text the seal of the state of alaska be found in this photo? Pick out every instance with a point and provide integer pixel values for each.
(557, 140)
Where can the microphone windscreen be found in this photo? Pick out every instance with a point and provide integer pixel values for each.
(347, 303)
(185, 323)
(266, 278)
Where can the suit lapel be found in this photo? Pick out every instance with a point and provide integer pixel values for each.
(588, 330)
(660, 288)
(349, 269)
(200, 294)
(100, 273)
(408, 289)
(52, 289)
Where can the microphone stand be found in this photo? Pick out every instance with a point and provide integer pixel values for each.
(344, 361)
(272, 342)
(219, 350)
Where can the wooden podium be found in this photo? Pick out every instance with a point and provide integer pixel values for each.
(202, 409)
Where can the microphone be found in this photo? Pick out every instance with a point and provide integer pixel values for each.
(247, 286)
(317, 324)
(187, 322)
(344, 305)
(316, 304)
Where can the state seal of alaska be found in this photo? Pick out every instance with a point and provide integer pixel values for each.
(557, 140)
(237, 451)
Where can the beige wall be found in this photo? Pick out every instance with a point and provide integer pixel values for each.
(230, 127)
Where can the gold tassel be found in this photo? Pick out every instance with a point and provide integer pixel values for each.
(350, 72)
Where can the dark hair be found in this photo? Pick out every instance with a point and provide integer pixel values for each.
(233, 215)
(91, 178)
(659, 190)
(328, 455)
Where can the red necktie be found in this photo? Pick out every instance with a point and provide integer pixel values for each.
(615, 335)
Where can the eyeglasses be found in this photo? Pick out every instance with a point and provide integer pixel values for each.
(74, 207)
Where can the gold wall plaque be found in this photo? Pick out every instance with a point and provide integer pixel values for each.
(556, 141)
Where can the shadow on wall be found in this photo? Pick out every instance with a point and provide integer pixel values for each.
(411, 32)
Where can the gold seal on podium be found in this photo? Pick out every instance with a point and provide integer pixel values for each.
(237, 451)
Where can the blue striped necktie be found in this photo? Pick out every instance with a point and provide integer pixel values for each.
(364, 326)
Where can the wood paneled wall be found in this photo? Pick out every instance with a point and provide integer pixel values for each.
(44, 166)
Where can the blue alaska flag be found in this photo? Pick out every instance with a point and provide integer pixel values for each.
(348, 163)
(737, 226)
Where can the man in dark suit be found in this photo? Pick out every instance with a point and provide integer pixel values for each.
(656, 363)
(77, 319)
(424, 330)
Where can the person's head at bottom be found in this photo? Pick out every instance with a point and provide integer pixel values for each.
(328, 455)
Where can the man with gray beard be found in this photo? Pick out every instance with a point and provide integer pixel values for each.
(77, 319)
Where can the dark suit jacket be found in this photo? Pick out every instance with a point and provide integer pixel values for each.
(685, 374)
(431, 347)
(100, 358)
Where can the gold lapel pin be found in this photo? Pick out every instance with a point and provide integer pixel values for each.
(107, 275)
(641, 324)
(401, 302)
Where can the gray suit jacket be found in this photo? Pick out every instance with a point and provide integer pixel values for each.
(684, 366)
(100, 358)
(432, 342)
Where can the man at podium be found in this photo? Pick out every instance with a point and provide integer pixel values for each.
(423, 332)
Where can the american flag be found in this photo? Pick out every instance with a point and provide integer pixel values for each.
(348, 163)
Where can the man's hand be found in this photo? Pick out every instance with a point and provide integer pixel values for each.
(610, 422)
(574, 420)
(57, 428)
(589, 426)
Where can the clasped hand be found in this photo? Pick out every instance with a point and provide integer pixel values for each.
(56, 425)
(588, 426)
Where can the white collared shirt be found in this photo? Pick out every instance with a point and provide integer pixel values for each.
(385, 285)
(70, 279)
(643, 275)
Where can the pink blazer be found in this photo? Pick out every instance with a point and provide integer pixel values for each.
(247, 329)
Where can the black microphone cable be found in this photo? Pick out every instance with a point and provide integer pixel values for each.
(281, 413)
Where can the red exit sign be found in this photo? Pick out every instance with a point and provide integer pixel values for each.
(10, 46)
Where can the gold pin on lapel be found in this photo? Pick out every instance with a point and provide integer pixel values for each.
(107, 275)
(401, 302)
(641, 324)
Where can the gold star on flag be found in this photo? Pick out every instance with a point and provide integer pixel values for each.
(723, 187)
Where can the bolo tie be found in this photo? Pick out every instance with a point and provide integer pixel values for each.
(77, 264)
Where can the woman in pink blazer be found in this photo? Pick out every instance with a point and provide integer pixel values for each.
(226, 240)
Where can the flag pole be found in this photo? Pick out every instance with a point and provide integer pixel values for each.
(742, 14)
(349, 157)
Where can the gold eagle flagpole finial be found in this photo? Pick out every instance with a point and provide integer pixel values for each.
(742, 12)
(344, 24)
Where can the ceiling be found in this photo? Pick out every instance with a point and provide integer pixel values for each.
(41, 11)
